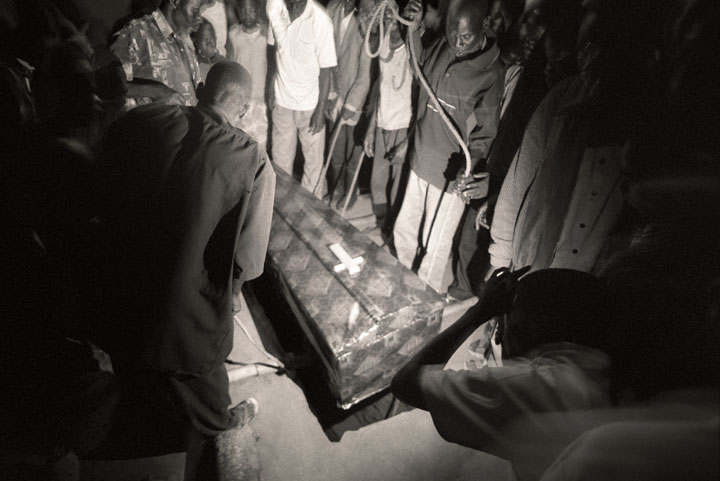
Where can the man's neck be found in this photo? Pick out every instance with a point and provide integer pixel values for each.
(217, 112)
(252, 29)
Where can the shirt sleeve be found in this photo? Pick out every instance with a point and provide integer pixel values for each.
(486, 118)
(253, 239)
(127, 49)
(519, 179)
(325, 43)
(471, 407)
(358, 92)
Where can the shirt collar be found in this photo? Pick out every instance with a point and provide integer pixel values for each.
(307, 13)
(162, 24)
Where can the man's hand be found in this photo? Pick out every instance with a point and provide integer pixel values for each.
(474, 188)
(346, 115)
(481, 217)
(397, 155)
(413, 9)
(317, 121)
(499, 293)
(369, 142)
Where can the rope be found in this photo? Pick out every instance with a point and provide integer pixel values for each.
(384, 45)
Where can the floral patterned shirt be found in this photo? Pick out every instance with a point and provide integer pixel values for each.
(149, 49)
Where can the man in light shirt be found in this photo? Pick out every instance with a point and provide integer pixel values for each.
(302, 34)
(349, 87)
(387, 135)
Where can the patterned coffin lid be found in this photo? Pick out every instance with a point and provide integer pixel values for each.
(382, 309)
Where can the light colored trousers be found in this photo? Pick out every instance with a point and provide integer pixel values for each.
(287, 126)
(422, 197)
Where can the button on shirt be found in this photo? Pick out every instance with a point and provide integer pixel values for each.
(149, 49)
(555, 161)
(303, 47)
(395, 105)
(596, 203)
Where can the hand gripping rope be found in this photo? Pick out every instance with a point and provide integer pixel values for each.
(384, 45)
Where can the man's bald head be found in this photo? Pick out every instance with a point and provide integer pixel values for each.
(465, 26)
(228, 87)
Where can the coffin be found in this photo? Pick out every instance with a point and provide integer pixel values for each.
(364, 326)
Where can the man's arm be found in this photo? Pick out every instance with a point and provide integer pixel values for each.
(409, 384)
(412, 11)
(317, 121)
(486, 118)
(358, 92)
(254, 235)
(270, 77)
(519, 178)
(152, 89)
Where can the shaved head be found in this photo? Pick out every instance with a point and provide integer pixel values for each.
(228, 86)
(465, 26)
(474, 10)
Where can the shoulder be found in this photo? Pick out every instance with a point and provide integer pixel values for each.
(136, 26)
(320, 16)
(147, 120)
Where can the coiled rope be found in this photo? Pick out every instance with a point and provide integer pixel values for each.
(384, 46)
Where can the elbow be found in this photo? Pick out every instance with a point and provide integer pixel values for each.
(406, 387)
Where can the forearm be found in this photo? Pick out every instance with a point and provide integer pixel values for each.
(324, 81)
(147, 88)
(407, 384)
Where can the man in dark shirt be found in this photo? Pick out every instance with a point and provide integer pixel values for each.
(188, 215)
(463, 70)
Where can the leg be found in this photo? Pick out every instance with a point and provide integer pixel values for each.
(439, 244)
(396, 176)
(313, 146)
(284, 139)
(352, 157)
(407, 224)
(480, 261)
(379, 178)
(461, 287)
(338, 163)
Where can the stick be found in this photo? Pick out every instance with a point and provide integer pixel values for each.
(335, 135)
(349, 193)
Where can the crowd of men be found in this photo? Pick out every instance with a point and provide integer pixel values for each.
(138, 179)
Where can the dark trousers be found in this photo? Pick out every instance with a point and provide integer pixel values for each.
(470, 255)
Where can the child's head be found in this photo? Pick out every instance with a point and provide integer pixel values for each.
(248, 13)
(205, 41)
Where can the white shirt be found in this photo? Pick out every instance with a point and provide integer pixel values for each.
(249, 51)
(215, 14)
(303, 47)
(395, 104)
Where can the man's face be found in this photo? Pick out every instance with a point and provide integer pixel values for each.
(500, 18)
(187, 14)
(295, 8)
(588, 48)
(366, 8)
(206, 43)
(464, 35)
(247, 11)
